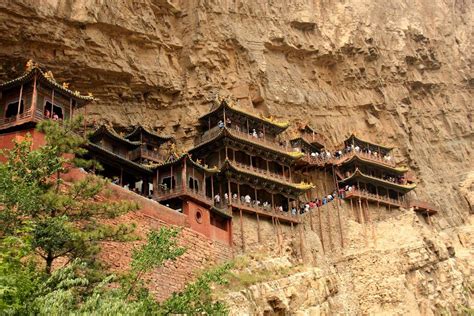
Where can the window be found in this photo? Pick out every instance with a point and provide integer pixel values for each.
(12, 109)
(57, 112)
(168, 183)
(193, 184)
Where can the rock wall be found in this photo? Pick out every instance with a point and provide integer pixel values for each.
(394, 72)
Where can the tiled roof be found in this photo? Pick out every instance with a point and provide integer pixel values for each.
(27, 76)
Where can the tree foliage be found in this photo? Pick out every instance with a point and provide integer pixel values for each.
(44, 219)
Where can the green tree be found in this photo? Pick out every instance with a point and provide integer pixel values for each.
(65, 219)
(43, 219)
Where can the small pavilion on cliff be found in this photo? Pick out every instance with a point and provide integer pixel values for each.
(371, 173)
(35, 96)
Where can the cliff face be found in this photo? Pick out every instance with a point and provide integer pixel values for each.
(395, 72)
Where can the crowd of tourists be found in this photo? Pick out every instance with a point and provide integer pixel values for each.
(301, 209)
(327, 155)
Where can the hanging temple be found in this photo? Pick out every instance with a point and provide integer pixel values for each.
(240, 162)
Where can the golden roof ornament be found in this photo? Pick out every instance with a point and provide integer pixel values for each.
(90, 94)
(30, 64)
(76, 93)
(66, 85)
(49, 75)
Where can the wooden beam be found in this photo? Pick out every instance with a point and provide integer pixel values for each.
(242, 231)
(19, 102)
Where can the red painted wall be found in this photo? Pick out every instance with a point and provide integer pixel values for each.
(202, 223)
(6, 140)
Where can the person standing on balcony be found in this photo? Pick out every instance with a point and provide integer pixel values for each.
(254, 133)
(248, 199)
(228, 122)
(220, 124)
(217, 199)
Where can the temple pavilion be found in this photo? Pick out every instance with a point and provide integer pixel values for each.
(35, 96)
(127, 159)
(256, 168)
(371, 172)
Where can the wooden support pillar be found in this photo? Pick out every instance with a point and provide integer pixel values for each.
(226, 154)
(352, 210)
(273, 202)
(259, 237)
(172, 178)
(204, 192)
(34, 98)
(209, 124)
(268, 167)
(233, 155)
(250, 161)
(212, 187)
(242, 231)
(369, 220)
(52, 102)
(248, 128)
(238, 192)
(331, 245)
(219, 156)
(121, 176)
(321, 229)
(70, 108)
(19, 101)
(228, 192)
(289, 171)
(155, 183)
(183, 176)
(255, 189)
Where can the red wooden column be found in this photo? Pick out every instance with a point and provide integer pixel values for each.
(172, 177)
(34, 98)
(19, 102)
(70, 108)
(228, 191)
(183, 175)
(212, 187)
(52, 102)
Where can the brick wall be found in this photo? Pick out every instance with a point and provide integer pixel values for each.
(201, 253)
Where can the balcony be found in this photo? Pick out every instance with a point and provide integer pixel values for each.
(266, 142)
(22, 118)
(261, 172)
(163, 195)
(314, 138)
(364, 156)
(422, 207)
(265, 211)
(364, 195)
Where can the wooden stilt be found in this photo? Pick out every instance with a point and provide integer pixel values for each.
(242, 230)
(370, 221)
(19, 102)
(259, 237)
(321, 229)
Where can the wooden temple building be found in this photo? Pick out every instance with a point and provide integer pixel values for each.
(240, 162)
(30, 98)
(371, 173)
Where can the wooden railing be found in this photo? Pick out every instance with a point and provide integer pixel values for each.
(262, 172)
(262, 209)
(373, 197)
(367, 156)
(152, 155)
(213, 132)
(196, 194)
(423, 206)
(271, 143)
(207, 135)
(314, 138)
(17, 119)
